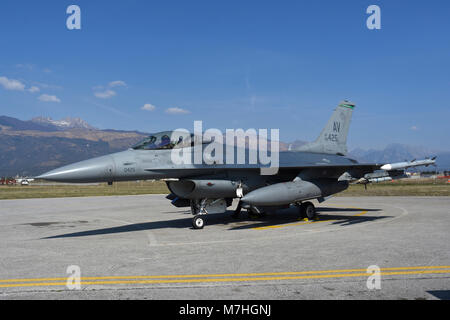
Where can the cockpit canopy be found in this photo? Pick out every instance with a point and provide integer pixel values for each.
(165, 140)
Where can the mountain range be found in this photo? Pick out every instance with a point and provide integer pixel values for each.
(29, 148)
(67, 123)
(397, 152)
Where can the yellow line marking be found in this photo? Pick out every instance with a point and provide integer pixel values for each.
(205, 276)
(360, 214)
(228, 279)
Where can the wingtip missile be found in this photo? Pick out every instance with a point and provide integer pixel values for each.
(404, 165)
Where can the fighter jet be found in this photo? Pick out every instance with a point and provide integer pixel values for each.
(315, 171)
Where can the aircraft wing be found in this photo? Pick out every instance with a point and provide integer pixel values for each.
(393, 171)
(318, 170)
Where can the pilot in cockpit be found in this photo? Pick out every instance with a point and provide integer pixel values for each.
(165, 141)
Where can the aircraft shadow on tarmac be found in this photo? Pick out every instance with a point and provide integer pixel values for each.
(288, 216)
(441, 294)
(279, 218)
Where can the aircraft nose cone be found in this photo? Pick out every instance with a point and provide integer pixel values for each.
(99, 169)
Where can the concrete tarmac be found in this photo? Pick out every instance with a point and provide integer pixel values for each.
(141, 247)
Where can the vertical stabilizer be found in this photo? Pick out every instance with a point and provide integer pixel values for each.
(333, 139)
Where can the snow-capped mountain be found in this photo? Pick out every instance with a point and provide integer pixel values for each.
(66, 123)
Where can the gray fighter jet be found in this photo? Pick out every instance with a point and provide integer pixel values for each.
(317, 170)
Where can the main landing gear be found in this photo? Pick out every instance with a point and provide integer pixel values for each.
(198, 210)
(307, 210)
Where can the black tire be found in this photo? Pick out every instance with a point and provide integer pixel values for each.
(198, 222)
(310, 210)
(301, 211)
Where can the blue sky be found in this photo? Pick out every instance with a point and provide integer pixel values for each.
(232, 64)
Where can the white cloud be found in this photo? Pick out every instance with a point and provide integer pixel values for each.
(34, 89)
(11, 84)
(25, 66)
(47, 86)
(105, 94)
(49, 98)
(176, 111)
(148, 107)
(414, 128)
(117, 83)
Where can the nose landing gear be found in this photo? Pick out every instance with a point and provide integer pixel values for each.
(198, 210)
(198, 222)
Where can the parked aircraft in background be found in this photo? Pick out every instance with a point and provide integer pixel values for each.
(24, 181)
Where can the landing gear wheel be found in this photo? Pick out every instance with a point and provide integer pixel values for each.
(309, 210)
(198, 222)
(301, 211)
